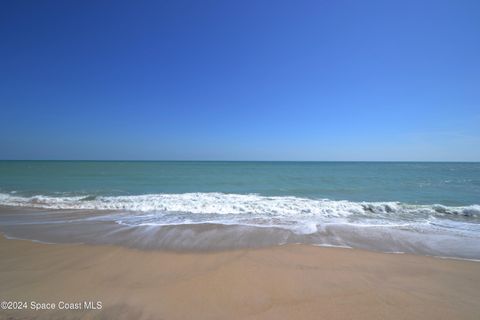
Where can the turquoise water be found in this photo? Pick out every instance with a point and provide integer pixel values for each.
(452, 184)
(424, 208)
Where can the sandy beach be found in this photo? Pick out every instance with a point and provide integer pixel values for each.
(284, 282)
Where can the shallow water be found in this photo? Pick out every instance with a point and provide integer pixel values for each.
(425, 208)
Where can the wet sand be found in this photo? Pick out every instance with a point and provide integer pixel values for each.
(284, 282)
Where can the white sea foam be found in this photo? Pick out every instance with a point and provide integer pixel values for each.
(192, 220)
(235, 204)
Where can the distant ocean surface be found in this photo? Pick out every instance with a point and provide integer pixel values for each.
(425, 208)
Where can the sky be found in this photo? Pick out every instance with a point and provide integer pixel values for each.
(240, 80)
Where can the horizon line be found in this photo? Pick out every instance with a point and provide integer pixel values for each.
(179, 160)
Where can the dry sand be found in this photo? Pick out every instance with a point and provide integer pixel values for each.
(289, 282)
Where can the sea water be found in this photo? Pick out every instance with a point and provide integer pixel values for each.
(418, 207)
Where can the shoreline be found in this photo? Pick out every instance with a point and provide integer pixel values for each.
(285, 282)
(192, 251)
(182, 232)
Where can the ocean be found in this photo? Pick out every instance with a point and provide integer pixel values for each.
(412, 207)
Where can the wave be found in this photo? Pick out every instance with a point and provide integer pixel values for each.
(232, 204)
(210, 221)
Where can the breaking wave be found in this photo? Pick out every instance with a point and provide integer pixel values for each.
(211, 221)
(233, 204)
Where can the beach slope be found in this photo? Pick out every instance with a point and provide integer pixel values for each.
(285, 282)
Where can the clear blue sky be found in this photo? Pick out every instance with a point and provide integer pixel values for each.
(240, 80)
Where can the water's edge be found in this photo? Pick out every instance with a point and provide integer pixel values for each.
(445, 235)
